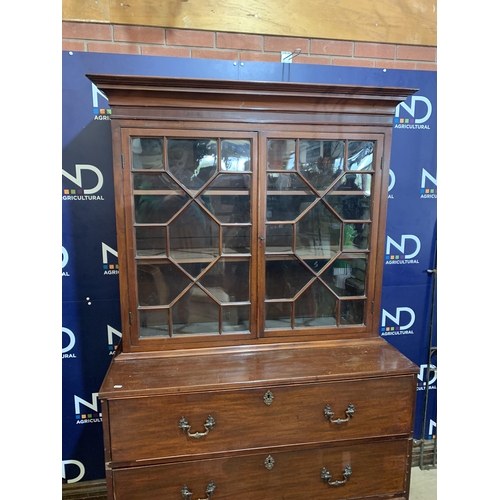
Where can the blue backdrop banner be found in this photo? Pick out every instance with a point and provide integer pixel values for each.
(91, 327)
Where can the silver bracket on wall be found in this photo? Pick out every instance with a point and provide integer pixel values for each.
(286, 57)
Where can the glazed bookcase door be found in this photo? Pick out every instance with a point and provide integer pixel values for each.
(232, 236)
(319, 227)
(188, 208)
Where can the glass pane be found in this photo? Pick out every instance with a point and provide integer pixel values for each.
(195, 313)
(352, 312)
(321, 162)
(192, 162)
(288, 196)
(316, 264)
(236, 239)
(356, 236)
(360, 155)
(194, 269)
(155, 182)
(347, 275)
(228, 280)
(159, 284)
(317, 306)
(150, 241)
(235, 319)
(279, 237)
(147, 154)
(228, 198)
(280, 154)
(235, 155)
(285, 277)
(355, 206)
(150, 208)
(318, 233)
(278, 315)
(155, 206)
(154, 323)
(193, 236)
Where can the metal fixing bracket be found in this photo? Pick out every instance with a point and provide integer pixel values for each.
(286, 57)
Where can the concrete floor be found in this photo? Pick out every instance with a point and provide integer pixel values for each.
(423, 484)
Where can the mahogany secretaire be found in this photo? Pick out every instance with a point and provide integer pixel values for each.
(251, 226)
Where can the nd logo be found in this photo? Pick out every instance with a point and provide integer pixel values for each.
(427, 178)
(72, 340)
(112, 333)
(407, 313)
(403, 246)
(423, 110)
(425, 370)
(73, 466)
(94, 405)
(96, 184)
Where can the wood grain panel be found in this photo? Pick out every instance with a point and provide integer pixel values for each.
(86, 10)
(147, 428)
(386, 21)
(378, 471)
(226, 370)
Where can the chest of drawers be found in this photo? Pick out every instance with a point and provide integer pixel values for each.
(262, 423)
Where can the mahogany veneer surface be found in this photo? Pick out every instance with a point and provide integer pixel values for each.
(194, 371)
(144, 428)
(259, 404)
(377, 469)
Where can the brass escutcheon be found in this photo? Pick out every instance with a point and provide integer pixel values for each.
(269, 462)
(268, 398)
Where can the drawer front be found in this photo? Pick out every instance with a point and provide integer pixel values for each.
(147, 428)
(376, 469)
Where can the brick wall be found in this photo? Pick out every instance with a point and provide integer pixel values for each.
(118, 39)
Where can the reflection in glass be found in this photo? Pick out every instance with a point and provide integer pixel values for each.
(195, 313)
(352, 312)
(228, 198)
(321, 162)
(355, 206)
(279, 237)
(153, 323)
(317, 306)
(316, 207)
(193, 235)
(285, 277)
(150, 204)
(318, 233)
(236, 239)
(192, 162)
(159, 284)
(278, 315)
(150, 240)
(235, 155)
(360, 155)
(288, 196)
(155, 182)
(315, 264)
(346, 276)
(236, 318)
(152, 208)
(194, 268)
(185, 228)
(354, 183)
(147, 153)
(281, 154)
(228, 280)
(356, 236)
